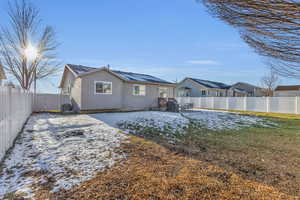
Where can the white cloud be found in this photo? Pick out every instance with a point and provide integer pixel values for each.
(203, 62)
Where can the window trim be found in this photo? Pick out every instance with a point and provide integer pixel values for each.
(205, 93)
(139, 86)
(95, 87)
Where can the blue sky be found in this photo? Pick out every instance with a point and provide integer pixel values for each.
(171, 39)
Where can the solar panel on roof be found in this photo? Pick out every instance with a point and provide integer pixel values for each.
(211, 84)
(129, 76)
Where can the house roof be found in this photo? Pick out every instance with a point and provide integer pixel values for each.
(238, 90)
(211, 84)
(246, 84)
(2, 73)
(287, 87)
(80, 70)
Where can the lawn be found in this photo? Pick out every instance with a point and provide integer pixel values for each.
(194, 155)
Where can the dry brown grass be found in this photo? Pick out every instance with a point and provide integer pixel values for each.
(154, 172)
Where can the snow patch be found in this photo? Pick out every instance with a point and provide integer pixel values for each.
(219, 120)
(163, 123)
(66, 149)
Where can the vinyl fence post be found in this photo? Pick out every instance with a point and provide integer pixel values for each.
(10, 113)
(227, 103)
(212, 102)
(297, 102)
(245, 103)
(268, 104)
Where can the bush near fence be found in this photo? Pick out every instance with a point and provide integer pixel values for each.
(288, 105)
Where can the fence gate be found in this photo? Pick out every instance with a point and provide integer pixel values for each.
(49, 102)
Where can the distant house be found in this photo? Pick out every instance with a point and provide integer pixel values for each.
(287, 91)
(103, 88)
(193, 87)
(2, 74)
(251, 90)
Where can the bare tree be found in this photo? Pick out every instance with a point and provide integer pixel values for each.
(271, 27)
(269, 82)
(27, 49)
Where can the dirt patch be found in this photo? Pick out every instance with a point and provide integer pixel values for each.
(153, 172)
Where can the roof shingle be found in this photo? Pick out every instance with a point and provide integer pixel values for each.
(211, 84)
(127, 76)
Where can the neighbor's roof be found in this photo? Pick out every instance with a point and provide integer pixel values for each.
(247, 84)
(2, 73)
(80, 70)
(287, 87)
(238, 90)
(210, 84)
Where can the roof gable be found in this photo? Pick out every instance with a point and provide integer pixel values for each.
(243, 84)
(80, 70)
(210, 84)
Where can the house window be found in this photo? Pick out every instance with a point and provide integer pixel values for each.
(163, 92)
(203, 92)
(139, 90)
(103, 87)
(219, 94)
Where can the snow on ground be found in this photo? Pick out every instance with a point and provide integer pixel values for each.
(172, 123)
(222, 120)
(166, 123)
(71, 149)
(65, 149)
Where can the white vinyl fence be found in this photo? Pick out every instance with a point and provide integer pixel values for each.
(289, 105)
(49, 102)
(15, 108)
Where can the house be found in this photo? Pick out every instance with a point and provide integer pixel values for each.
(192, 87)
(102, 88)
(251, 90)
(287, 91)
(2, 74)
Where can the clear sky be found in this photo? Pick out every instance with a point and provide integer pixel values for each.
(171, 39)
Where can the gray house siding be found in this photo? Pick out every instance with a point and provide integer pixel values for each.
(76, 94)
(68, 78)
(150, 100)
(75, 89)
(251, 90)
(92, 101)
(287, 93)
(83, 94)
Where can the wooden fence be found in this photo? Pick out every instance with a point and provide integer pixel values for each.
(289, 105)
(15, 108)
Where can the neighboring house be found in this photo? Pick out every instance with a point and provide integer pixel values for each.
(103, 88)
(251, 90)
(287, 91)
(192, 87)
(2, 74)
